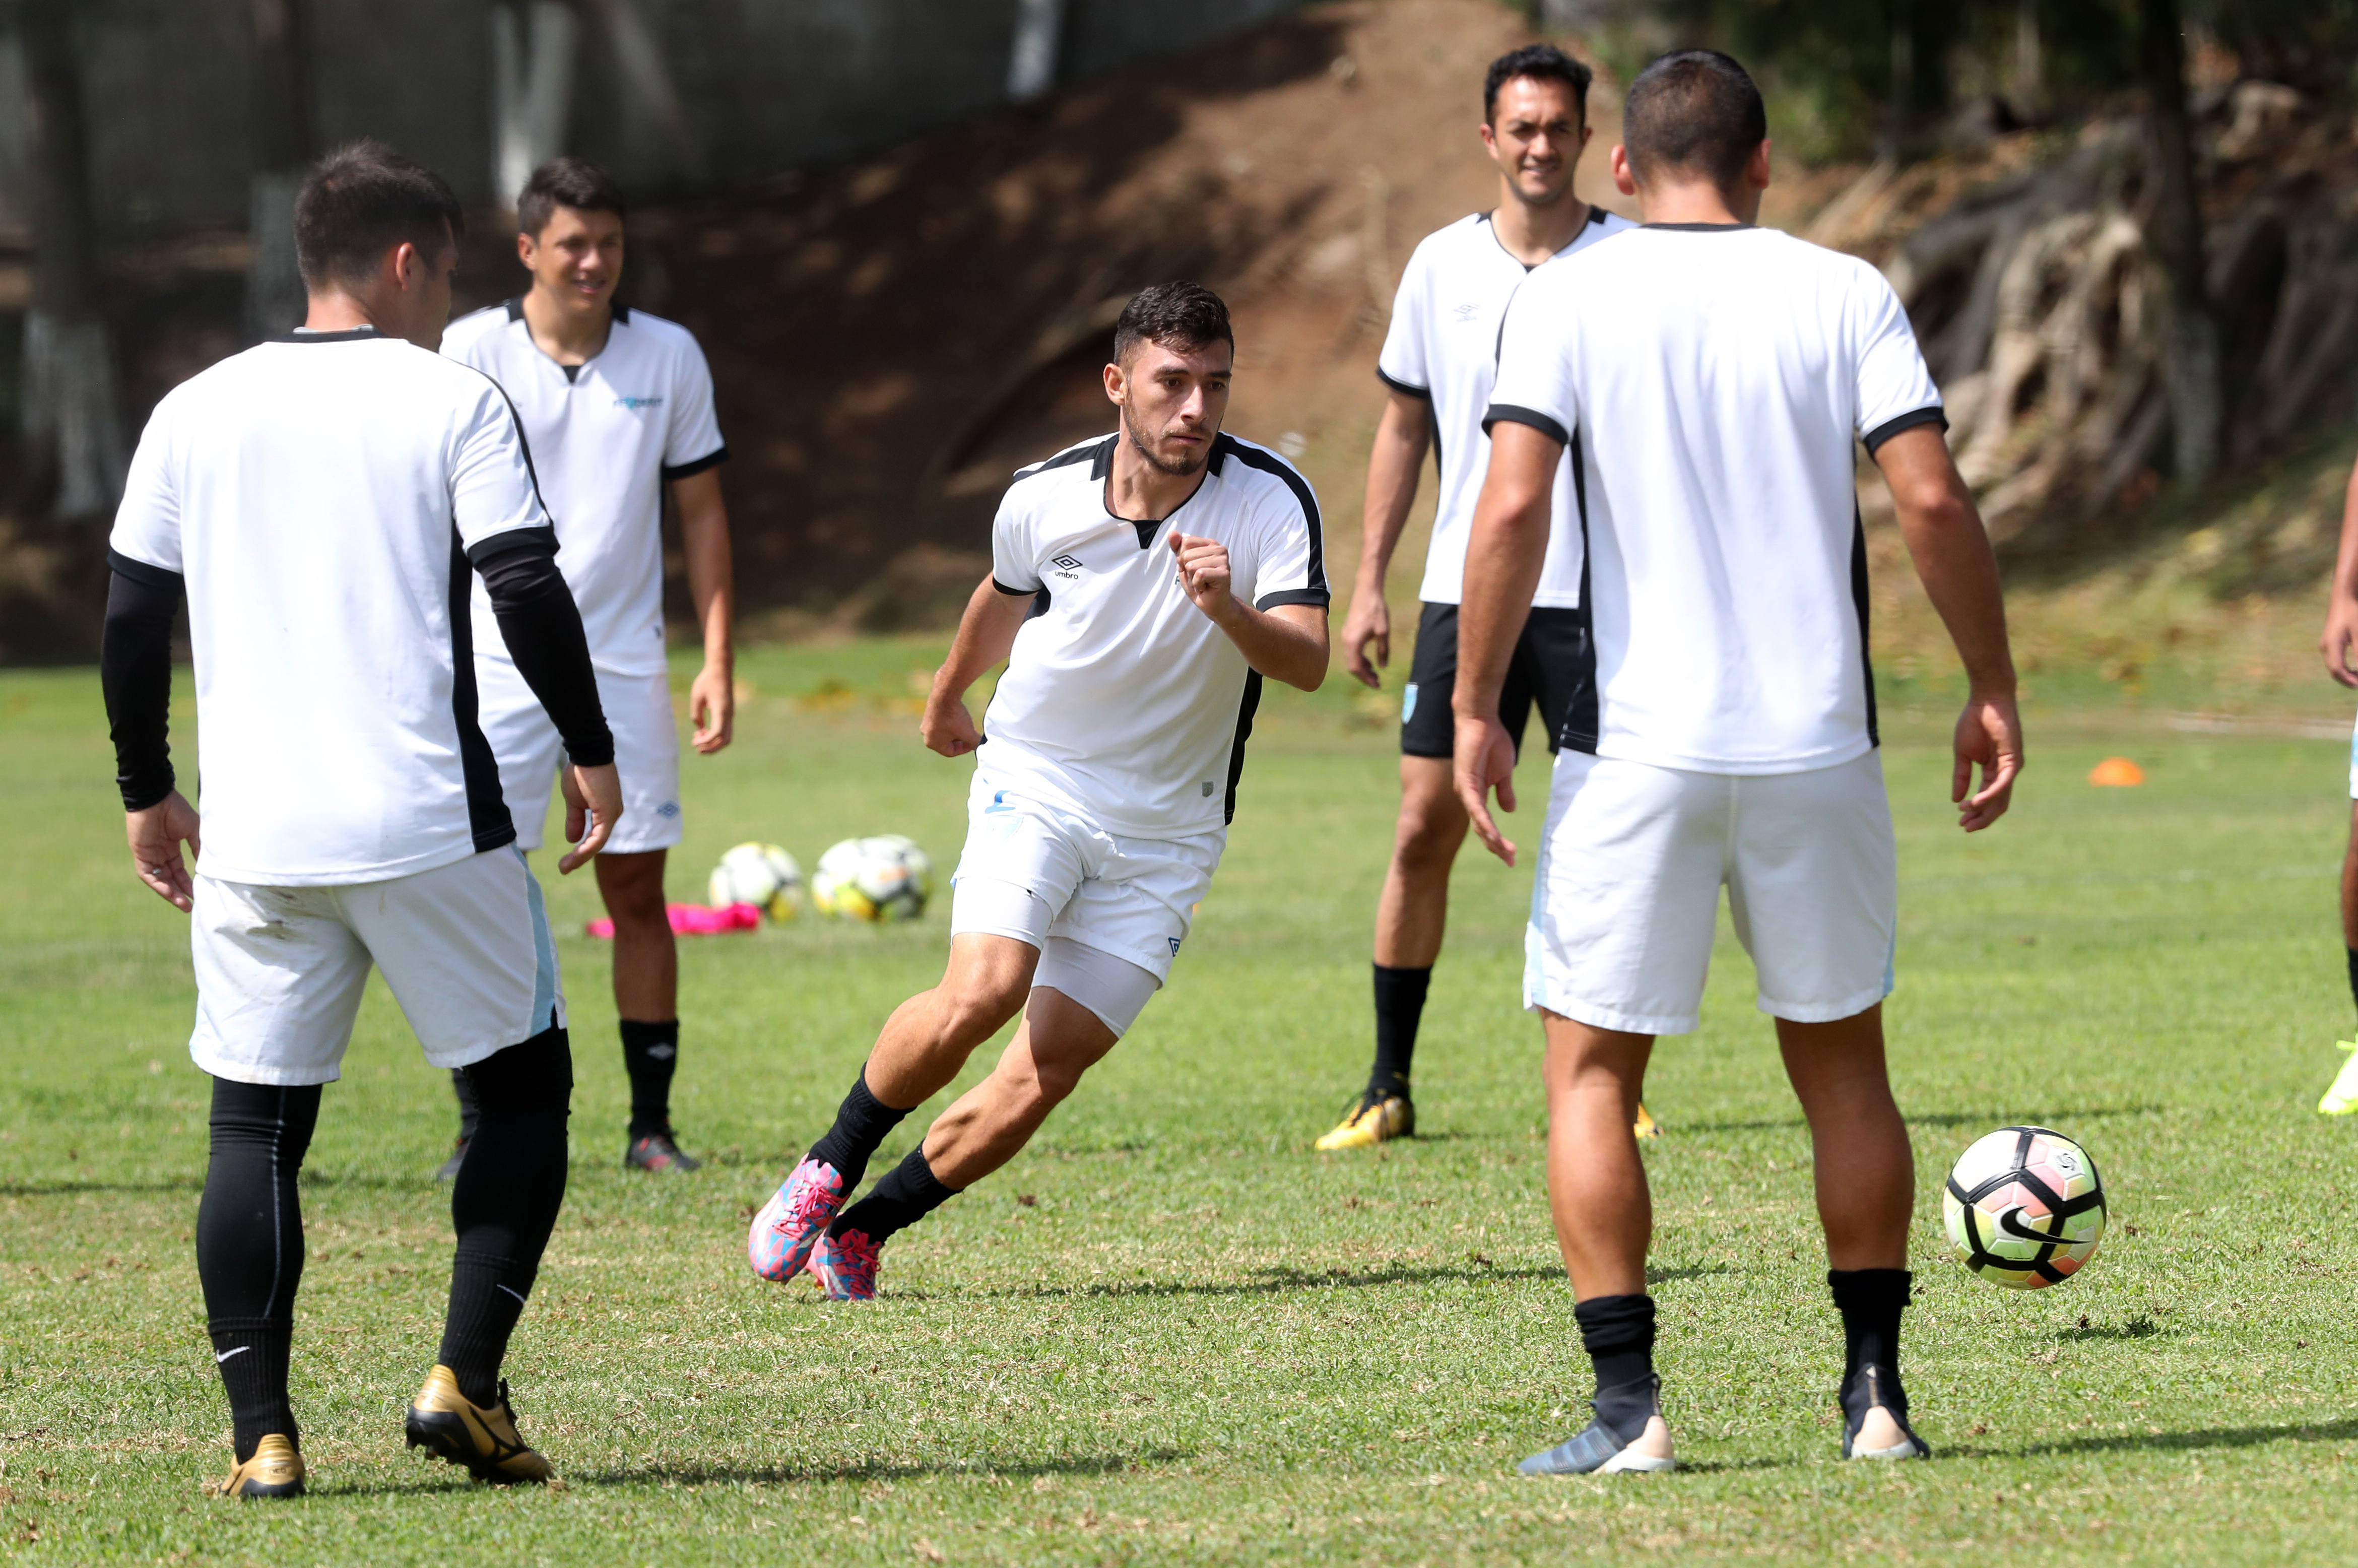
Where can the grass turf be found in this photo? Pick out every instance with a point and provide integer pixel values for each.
(1171, 1333)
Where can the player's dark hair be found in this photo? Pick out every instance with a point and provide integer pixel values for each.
(1540, 62)
(364, 200)
(1180, 315)
(566, 182)
(1694, 110)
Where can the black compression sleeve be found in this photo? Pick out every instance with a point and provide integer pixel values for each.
(135, 668)
(542, 627)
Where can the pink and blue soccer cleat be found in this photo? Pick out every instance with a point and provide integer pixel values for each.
(796, 1216)
(845, 1266)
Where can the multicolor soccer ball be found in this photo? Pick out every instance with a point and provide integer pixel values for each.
(2025, 1207)
(877, 879)
(762, 875)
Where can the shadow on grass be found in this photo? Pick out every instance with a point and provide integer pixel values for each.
(1268, 1282)
(657, 1473)
(2343, 1431)
(2140, 1326)
(66, 1188)
(1937, 1118)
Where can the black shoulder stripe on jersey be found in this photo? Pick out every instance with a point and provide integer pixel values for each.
(1583, 722)
(1513, 414)
(622, 313)
(1317, 596)
(524, 445)
(1406, 389)
(540, 541)
(1090, 454)
(145, 573)
(1245, 711)
(1907, 421)
(1858, 602)
(516, 308)
(1225, 446)
(711, 459)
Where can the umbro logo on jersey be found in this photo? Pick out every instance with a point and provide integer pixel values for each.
(1068, 563)
(1465, 313)
(636, 404)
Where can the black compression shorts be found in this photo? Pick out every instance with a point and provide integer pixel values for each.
(1553, 649)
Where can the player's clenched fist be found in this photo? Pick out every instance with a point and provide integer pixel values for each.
(949, 727)
(1203, 572)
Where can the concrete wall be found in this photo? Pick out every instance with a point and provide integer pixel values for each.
(762, 86)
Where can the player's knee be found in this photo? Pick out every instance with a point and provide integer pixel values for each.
(533, 1075)
(978, 1007)
(1054, 1080)
(1429, 836)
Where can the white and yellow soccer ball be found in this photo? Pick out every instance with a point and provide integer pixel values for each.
(880, 878)
(760, 875)
(2025, 1207)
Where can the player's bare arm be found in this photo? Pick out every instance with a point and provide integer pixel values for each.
(2339, 642)
(1504, 551)
(1286, 642)
(986, 635)
(704, 542)
(1952, 551)
(1402, 437)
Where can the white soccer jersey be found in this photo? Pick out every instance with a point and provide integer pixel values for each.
(1713, 379)
(606, 437)
(1443, 347)
(321, 497)
(1123, 703)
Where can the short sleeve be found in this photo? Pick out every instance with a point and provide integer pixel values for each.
(1535, 383)
(693, 443)
(1403, 365)
(1292, 564)
(1014, 564)
(1895, 387)
(493, 492)
(147, 525)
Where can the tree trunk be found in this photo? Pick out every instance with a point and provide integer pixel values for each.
(2191, 326)
(1031, 63)
(534, 43)
(2029, 64)
(71, 419)
(284, 141)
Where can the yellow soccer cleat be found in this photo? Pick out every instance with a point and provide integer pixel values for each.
(275, 1471)
(1646, 1126)
(2342, 1097)
(1377, 1119)
(482, 1438)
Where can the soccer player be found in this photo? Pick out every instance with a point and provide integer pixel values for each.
(1710, 378)
(1141, 586)
(618, 406)
(2339, 645)
(1438, 359)
(322, 502)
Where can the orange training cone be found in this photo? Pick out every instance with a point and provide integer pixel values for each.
(2117, 773)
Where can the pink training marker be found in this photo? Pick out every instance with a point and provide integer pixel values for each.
(694, 920)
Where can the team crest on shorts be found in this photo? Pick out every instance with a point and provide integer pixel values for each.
(1408, 702)
(667, 810)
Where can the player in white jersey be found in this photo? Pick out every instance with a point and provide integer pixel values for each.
(1438, 359)
(1712, 380)
(323, 502)
(618, 406)
(1141, 585)
(2339, 644)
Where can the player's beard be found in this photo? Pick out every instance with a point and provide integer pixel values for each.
(1179, 469)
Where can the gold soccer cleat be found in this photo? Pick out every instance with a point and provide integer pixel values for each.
(2342, 1097)
(275, 1471)
(1375, 1120)
(1646, 1126)
(483, 1439)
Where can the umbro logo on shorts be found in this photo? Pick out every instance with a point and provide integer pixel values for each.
(667, 810)
(1068, 563)
(636, 404)
(1174, 944)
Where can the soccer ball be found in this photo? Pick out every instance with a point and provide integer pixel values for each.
(760, 875)
(2025, 1207)
(880, 878)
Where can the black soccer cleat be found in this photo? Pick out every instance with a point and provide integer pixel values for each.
(1874, 1417)
(656, 1152)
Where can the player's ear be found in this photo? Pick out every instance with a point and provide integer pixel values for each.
(1624, 178)
(525, 246)
(1114, 379)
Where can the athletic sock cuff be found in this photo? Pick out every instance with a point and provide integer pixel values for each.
(1403, 983)
(1615, 1324)
(641, 1035)
(1869, 1290)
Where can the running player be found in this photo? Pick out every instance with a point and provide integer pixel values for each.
(2339, 645)
(321, 501)
(1141, 585)
(1710, 378)
(1437, 361)
(618, 406)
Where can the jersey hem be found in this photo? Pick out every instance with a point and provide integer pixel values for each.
(1735, 767)
(352, 876)
(1405, 388)
(1317, 596)
(670, 472)
(1044, 790)
(1934, 415)
(1513, 414)
(145, 573)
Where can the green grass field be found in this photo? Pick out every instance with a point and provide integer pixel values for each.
(1168, 1332)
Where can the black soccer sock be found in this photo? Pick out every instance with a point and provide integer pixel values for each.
(471, 1113)
(650, 1053)
(2353, 974)
(250, 1247)
(1870, 1300)
(504, 1204)
(908, 1193)
(1617, 1331)
(861, 1124)
(1400, 1006)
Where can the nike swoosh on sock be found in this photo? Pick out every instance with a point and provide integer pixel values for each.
(519, 1294)
(221, 1355)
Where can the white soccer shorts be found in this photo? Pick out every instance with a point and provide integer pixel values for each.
(465, 948)
(646, 754)
(1626, 892)
(1081, 895)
